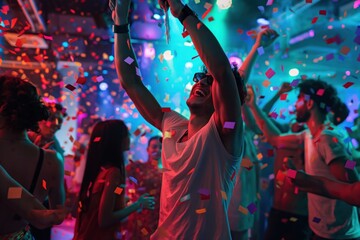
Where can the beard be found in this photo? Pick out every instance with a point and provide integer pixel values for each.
(302, 116)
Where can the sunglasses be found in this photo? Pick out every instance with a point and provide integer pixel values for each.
(206, 78)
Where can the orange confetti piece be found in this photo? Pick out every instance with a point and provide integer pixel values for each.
(243, 210)
(223, 195)
(266, 83)
(118, 190)
(14, 192)
(200, 211)
(44, 184)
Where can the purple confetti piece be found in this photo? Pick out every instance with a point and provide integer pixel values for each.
(251, 208)
(261, 9)
(350, 164)
(260, 51)
(329, 56)
(269, 2)
(317, 220)
(204, 191)
(134, 180)
(229, 125)
(129, 60)
(294, 83)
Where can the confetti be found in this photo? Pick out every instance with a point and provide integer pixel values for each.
(118, 190)
(185, 198)
(50, 38)
(269, 2)
(229, 125)
(283, 96)
(270, 73)
(251, 207)
(246, 163)
(348, 84)
(44, 184)
(201, 211)
(314, 20)
(81, 80)
(97, 139)
(322, 12)
(350, 164)
(185, 34)
(316, 220)
(70, 87)
(134, 180)
(14, 192)
(223, 195)
(210, 19)
(144, 231)
(243, 210)
(291, 173)
(345, 50)
(329, 57)
(260, 51)
(294, 83)
(129, 60)
(206, 13)
(320, 92)
(293, 219)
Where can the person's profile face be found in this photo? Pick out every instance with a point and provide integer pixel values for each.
(302, 112)
(49, 127)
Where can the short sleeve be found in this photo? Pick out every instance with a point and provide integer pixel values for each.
(171, 119)
(330, 147)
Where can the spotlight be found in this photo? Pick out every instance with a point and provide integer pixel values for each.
(188, 65)
(294, 72)
(103, 86)
(157, 16)
(235, 60)
(224, 4)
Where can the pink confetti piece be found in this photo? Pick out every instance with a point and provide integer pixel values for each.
(269, 2)
(50, 38)
(291, 173)
(270, 73)
(97, 139)
(320, 92)
(129, 60)
(230, 125)
(99, 78)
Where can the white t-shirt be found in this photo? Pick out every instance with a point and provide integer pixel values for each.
(198, 179)
(338, 220)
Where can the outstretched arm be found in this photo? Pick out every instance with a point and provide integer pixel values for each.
(264, 39)
(27, 206)
(328, 188)
(128, 69)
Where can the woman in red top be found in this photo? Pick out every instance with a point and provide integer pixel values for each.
(102, 201)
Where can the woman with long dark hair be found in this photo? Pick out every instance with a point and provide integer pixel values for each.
(101, 197)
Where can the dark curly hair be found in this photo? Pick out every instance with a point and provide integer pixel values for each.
(340, 111)
(20, 105)
(322, 93)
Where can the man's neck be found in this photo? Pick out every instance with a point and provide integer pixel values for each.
(316, 124)
(196, 123)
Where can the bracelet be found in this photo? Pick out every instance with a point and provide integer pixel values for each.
(124, 28)
(185, 12)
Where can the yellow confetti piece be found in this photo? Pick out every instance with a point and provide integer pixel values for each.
(293, 219)
(243, 210)
(167, 134)
(201, 211)
(223, 194)
(118, 190)
(14, 192)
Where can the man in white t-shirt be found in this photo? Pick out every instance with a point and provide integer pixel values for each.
(201, 155)
(325, 155)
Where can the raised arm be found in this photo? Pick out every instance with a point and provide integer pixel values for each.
(271, 132)
(264, 39)
(225, 94)
(128, 69)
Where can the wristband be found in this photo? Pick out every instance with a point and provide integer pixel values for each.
(124, 28)
(185, 12)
